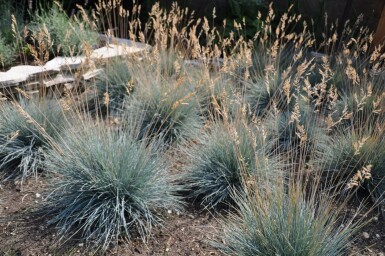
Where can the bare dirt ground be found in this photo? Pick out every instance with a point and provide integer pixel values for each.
(186, 233)
(183, 234)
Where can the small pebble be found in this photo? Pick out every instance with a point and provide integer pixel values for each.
(365, 235)
(81, 245)
(375, 218)
(38, 195)
(169, 211)
(378, 236)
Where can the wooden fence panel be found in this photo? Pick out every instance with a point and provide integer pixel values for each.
(380, 33)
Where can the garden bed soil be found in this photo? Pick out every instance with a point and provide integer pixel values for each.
(186, 233)
(183, 234)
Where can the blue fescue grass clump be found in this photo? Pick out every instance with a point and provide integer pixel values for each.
(111, 186)
(356, 160)
(354, 110)
(301, 134)
(220, 160)
(265, 94)
(168, 64)
(26, 129)
(164, 109)
(112, 87)
(216, 94)
(284, 224)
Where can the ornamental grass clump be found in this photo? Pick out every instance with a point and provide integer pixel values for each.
(169, 64)
(222, 155)
(163, 108)
(285, 223)
(110, 187)
(356, 160)
(300, 134)
(354, 110)
(216, 93)
(112, 87)
(275, 82)
(265, 94)
(26, 129)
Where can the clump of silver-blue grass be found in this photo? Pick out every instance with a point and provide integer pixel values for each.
(26, 129)
(220, 159)
(111, 187)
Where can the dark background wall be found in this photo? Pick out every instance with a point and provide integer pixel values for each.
(311, 9)
(339, 9)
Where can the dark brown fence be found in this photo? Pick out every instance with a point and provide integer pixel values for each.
(380, 32)
(339, 9)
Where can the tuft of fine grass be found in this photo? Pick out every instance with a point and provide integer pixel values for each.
(356, 160)
(115, 84)
(219, 160)
(300, 134)
(216, 94)
(353, 111)
(263, 95)
(279, 223)
(25, 133)
(111, 187)
(165, 109)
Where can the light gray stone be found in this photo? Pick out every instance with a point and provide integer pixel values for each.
(65, 63)
(28, 76)
(59, 79)
(19, 74)
(122, 41)
(69, 86)
(31, 86)
(32, 93)
(92, 73)
(113, 51)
